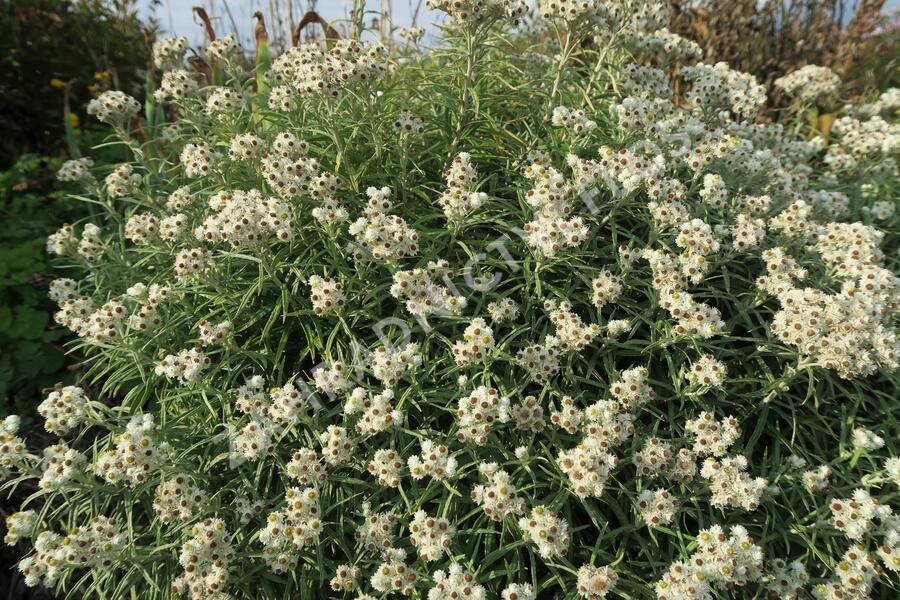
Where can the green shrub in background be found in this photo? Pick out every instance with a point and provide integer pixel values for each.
(50, 46)
(32, 202)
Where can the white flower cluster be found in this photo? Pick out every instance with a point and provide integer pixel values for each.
(382, 236)
(253, 441)
(20, 526)
(393, 574)
(64, 243)
(332, 379)
(61, 465)
(656, 507)
(176, 86)
(307, 69)
(528, 415)
(861, 142)
(572, 119)
(247, 509)
(730, 484)
(113, 107)
(607, 288)
(345, 578)
(810, 83)
(180, 199)
(412, 34)
(866, 440)
(844, 331)
(177, 498)
(222, 48)
(788, 580)
(457, 584)
(503, 310)
(424, 297)
(134, 456)
(657, 457)
(518, 591)
(327, 295)
(169, 52)
(856, 573)
(632, 390)
(568, 416)
(499, 499)
(123, 181)
(718, 87)
(205, 557)
(337, 447)
(198, 159)
(186, 366)
(387, 466)
(63, 409)
(855, 516)
(571, 333)
(474, 12)
(477, 342)
(95, 545)
(541, 361)
(547, 531)
(291, 529)
(664, 45)
(573, 11)
(377, 413)
(594, 583)
(376, 532)
(817, 480)
(245, 146)
(720, 559)
(191, 261)
(213, 334)
(712, 437)
(587, 468)
(141, 228)
(431, 536)
(223, 102)
(433, 460)
(694, 319)
(407, 123)
(389, 364)
(550, 231)
(47, 563)
(460, 197)
(707, 371)
(306, 467)
(77, 170)
(477, 413)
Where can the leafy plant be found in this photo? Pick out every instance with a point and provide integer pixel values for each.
(507, 316)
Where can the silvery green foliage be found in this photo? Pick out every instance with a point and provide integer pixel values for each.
(517, 323)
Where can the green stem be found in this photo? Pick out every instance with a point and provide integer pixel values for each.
(468, 82)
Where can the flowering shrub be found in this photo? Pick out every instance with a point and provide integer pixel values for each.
(477, 322)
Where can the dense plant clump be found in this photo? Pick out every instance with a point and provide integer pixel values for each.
(476, 322)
